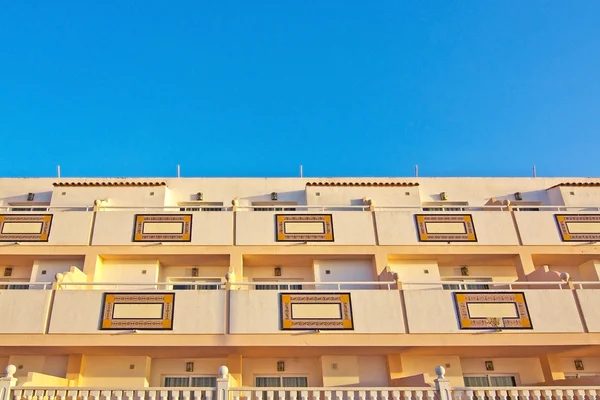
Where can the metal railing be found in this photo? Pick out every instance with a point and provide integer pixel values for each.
(304, 286)
(498, 286)
(308, 208)
(317, 285)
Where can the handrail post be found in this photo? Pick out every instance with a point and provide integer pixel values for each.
(7, 383)
(442, 385)
(222, 383)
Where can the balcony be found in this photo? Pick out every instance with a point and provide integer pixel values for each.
(501, 307)
(226, 389)
(284, 308)
(318, 225)
(317, 307)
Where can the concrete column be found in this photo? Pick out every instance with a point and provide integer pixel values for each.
(234, 362)
(551, 368)
(380, 261)
(524, 265)
(75, 367)
(223, 383)
(394, 364)
(92, 265)
(442, 385)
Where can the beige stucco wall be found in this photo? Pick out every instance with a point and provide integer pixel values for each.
(591, 365)
(116, 371)
(589, 299)
(252, 274)
(208, 228)
(348, 371)
(417, 271)
(24, 311)
(415, 365)
(46, 270)
(71, 228)
(550, 311)
(527, 370)
(49, 365)
(196, 311)
(344, 271)
(539, 228)
(162, 367)
(374, 311)
(349, 228)
(309, 367)
(114, 196)
(128, 271)
(399, 227)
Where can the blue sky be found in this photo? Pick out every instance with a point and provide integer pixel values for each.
(348, 88)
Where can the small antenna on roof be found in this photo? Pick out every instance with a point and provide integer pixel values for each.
(534, 172)
(178, 171)
(416, 171)
(58, 170)
(300, 171)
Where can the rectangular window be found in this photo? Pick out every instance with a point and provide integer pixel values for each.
(278, 287)
(491, 381)
(279, 382)
(201, 209)
(468, 285)
(191, 382)
(202, 285)
(443, 209)
(275, 209)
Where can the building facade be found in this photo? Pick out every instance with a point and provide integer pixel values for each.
(322, 283)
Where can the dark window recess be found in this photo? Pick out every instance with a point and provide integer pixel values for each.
(201, 209)
(278, 287)
(190, 382)
(275, 209)
(207, 286)
(14, 287)
(443, 209)
(22, 209)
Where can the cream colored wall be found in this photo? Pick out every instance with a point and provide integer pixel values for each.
(309, 367)
(257, 311)
(162, 367)
(115, 371)
(399, 228)
(166, 273)
(346, 371)
(49, 365)
(582, 196)
(70, 228)
(590, 270)
(344, 271)
(498, 274)
(116, 196)
(550, 311)
(46, 270)
(539, 228)
(18, 273)
(208, 228)
(527, 370)
(349, 228)
(590, 365)
(415, 365)
(196, 311)
(416, 271)
(37, 379)
(589, 300)
(128, 271)
(24, 311)
(353, 195)
(290, 273)
(475, 191)
(572, 270)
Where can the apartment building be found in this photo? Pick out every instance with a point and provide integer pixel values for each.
(336, 285)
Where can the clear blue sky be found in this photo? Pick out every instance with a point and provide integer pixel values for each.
(256, 88)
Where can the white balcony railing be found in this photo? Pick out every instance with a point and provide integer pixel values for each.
(84, 393)
(527, 393)
(303, 285)
(333, 393)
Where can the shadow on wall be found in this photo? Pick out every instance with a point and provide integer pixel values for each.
(419, 380)
(22, 198)
(298, 196)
